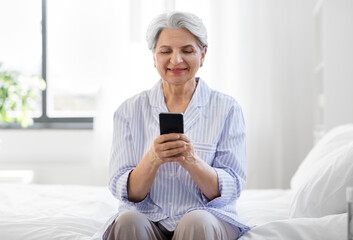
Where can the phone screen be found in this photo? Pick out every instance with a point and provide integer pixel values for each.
(171, 123)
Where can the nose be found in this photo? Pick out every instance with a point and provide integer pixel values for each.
(176, 58)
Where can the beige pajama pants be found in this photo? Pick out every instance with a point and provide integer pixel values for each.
(198, 224)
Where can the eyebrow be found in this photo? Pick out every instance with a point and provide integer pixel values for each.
(189, 45)
(185, 46)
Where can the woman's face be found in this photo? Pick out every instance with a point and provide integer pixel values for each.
(177, 56)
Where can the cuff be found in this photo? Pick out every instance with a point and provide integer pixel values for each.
(122, 191)
(226, 189)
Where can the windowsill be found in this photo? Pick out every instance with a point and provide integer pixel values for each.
(49, 125)
(40, 147)
(16, 176)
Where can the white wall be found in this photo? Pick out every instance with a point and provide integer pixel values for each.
(338, 62)
(55, 156)
(277, 50)
(296, 122)
(275, 56)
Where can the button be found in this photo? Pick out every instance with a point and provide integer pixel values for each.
(170, 204)
(171, 175)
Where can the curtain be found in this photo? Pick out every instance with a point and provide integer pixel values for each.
(259, 52)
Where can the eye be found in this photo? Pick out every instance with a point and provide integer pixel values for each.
(165, 52)
(187, 51)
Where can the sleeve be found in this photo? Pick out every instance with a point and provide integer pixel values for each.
(122, 160)
(230, 159)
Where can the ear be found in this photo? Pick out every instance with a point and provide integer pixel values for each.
(203, 53)
(154, 60)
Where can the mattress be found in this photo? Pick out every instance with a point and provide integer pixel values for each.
(78, 212)
(53, 211)
(267, 212)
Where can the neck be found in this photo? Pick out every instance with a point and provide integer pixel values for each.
(178, 97)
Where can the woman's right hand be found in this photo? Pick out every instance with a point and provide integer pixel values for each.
(167, 148)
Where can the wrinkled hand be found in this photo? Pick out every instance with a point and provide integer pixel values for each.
(168, 148)
(173, 147)
(189, 156)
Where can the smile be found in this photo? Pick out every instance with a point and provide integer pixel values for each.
(176, 70)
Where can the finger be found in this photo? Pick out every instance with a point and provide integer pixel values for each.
(185, 138)
(177, 158)
(188, 147)
(172, 152)
(172, 145)
(167, 137)
(168, 146)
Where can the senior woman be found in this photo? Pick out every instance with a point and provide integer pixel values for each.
(178, 186)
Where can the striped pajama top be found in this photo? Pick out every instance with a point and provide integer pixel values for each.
(214, 122)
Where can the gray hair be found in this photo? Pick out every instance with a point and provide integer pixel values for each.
(183, 20)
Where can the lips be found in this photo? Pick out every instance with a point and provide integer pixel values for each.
(176, 69)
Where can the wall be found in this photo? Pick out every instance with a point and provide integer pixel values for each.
(55, 156)
(296, 137)
(338, 62)
(268, 71)
(276, 52)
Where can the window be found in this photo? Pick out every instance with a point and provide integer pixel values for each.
(59, 40)
(20, 36)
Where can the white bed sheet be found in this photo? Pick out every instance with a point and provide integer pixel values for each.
(77, 212)
(53, 211)
(267, 212)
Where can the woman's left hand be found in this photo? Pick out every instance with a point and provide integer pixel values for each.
(190, 158)
(203, 174)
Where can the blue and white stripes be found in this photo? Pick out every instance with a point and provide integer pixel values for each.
(214, 122)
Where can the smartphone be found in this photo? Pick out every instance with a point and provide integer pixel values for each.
(171, 123)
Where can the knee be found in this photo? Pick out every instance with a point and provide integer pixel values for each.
(197, 224)
(197, 219)
(129, 225)
(130, 219)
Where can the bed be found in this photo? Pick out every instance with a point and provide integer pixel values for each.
(314, 207)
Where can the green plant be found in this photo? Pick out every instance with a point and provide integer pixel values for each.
(19, 97)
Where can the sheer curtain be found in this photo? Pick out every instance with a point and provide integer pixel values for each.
(259, 52)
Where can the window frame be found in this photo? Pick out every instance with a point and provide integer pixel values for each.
(49, 122)
(45, 122)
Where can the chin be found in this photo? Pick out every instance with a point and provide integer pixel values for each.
(177, 80)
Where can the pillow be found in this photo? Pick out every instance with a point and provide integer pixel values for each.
(314, 161)
(325, 192)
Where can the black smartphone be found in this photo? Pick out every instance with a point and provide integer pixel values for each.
(171, 123)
